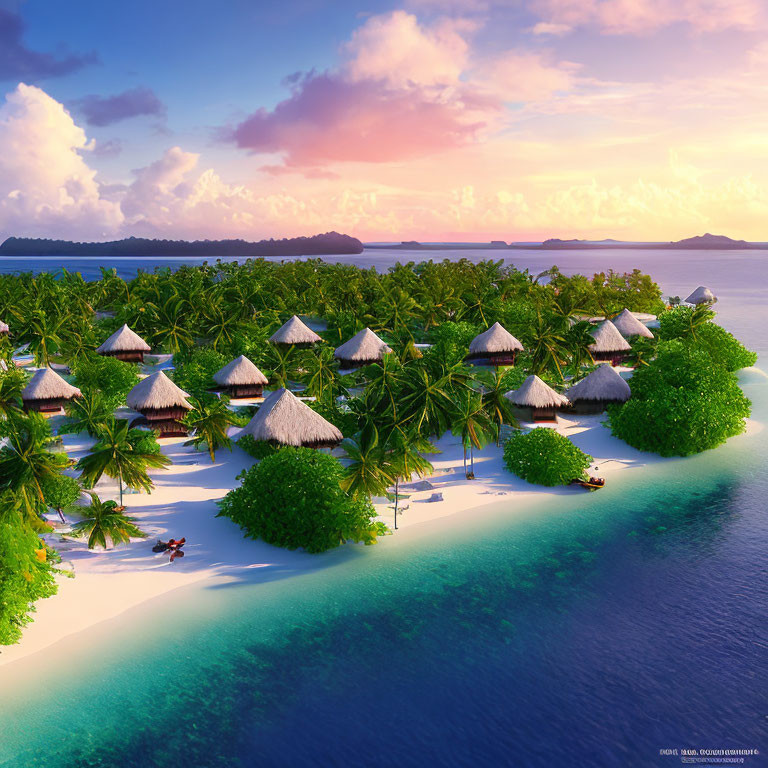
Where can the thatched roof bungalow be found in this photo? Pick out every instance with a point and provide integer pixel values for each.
(496, 345)
(241, 378)
(602, 386)
(628, 325)
(702, 295)
(363, 348)
(539, 398)
(283, 419)
(295, 333)
(47, 392)
(161, 403)
(609, 345)
(124, 344)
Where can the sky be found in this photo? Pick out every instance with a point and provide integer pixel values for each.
(434, 120)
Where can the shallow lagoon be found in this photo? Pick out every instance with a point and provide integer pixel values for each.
(594, 631)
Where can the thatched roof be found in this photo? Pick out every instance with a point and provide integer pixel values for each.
(362, 347)
(46, 384)
(702, 295)
(155, 392)
(123, 340)
(294, 331)
(604, 383)
(495, 340)
(628, 325)
(284, 419)
(534, 393)
(241, 371)
(608, 339)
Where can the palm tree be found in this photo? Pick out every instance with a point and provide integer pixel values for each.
(320, 374)
(547, 347)
(122, 454)
(403, 450)
(473, 424)
(11, 384)
(210, 419)
(281, 363)
(25, 464)
(495, 385)
(171, 324)
(426, 400)
(369, 472)
(384, 381)
(87, 413)
(106, 523)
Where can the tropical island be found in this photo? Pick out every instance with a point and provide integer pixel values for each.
(263, 413)
(317, 245)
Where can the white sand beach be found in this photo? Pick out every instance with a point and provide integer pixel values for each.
(183, 503)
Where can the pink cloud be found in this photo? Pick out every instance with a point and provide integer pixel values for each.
(643, 16)
(330, 119)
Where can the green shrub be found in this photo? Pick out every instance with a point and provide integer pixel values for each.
(195, 374)
(682, 403)
(723, 347)
(24, 578)
(258, 449)
(110, 377)
(293, 499)
(545, 457)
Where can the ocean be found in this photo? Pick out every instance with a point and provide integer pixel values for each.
(596, 630)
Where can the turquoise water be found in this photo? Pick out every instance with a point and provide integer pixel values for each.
(594, 630)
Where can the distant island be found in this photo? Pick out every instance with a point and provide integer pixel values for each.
(317, 245)
(700, 242)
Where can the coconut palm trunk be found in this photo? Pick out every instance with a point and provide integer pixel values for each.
(397, 495)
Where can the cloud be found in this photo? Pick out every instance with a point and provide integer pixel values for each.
(17, 62)
(527, 76)
(545, 28)
(106, 110)
(330, 119)
(45, 184)
(630, 17)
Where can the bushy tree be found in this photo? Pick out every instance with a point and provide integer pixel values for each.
(450, 341)
(113, 379)
(545, 457)
(195, 374)
(682, 403)
(695, 327)
(294, 499)
(60, 491)
(26, 570)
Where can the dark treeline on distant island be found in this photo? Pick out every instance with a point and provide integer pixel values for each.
(317, 245)
(700, 242)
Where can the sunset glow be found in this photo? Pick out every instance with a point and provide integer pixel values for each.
(465, 120)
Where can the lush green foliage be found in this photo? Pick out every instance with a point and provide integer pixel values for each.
(123, 454)
(60, 491)
(209, 419)
(545, 457)
(105, 524)
(25, 575)
(294, 499)
(87, 413)
(111, 378)
(258, 449)
(682, 403)
(696, 328)
(195, 374)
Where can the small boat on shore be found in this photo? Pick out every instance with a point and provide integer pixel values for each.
(592, 484)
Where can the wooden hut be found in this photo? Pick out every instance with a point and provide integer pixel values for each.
(602, 386)
(47, 392)
(702, 295)
(496, 345)
(126, 345)
(282, 419)
(629, 326)
(538, 398)
(161, 403)
(609, 345)
(295, 333)
(241, 378)
(362, 349)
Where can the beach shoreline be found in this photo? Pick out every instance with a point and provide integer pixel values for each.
(108, 583)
